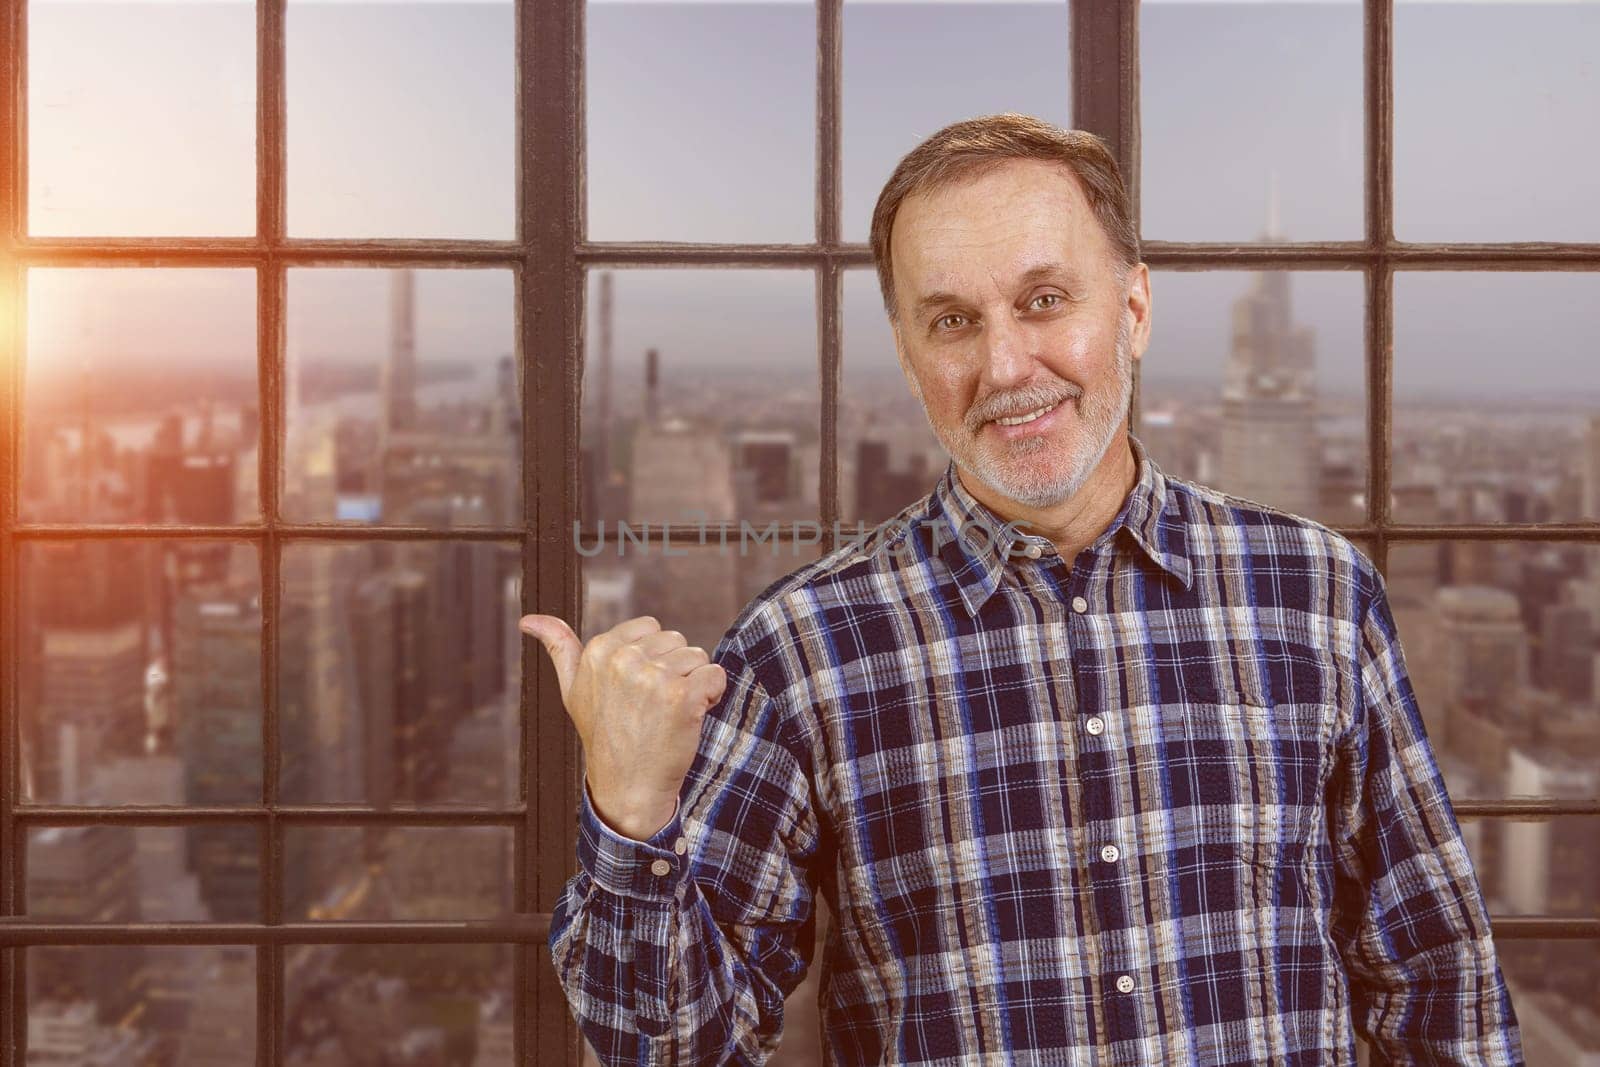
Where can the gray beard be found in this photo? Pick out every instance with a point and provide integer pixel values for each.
(1103, 428)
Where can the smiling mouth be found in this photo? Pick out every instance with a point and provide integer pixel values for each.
(1018, 420)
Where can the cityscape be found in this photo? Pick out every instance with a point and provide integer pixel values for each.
(398, 686)
(398, 662)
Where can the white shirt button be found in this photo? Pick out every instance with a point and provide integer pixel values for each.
(660, 868)
(1096, 725)
(1080, 605)
(1125, 984)
(681, 845)
(1110, 853)
(1033, 551)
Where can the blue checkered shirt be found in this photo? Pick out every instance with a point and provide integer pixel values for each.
(1169, 803)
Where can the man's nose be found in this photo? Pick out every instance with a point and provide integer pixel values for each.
(1006, 351)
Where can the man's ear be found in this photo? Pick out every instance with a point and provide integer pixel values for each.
(1137, 296)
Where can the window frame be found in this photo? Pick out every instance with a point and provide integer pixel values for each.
(550, 260)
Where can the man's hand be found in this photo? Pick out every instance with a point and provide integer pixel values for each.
(637, 694)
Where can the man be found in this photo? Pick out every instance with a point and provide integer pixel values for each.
(1090, 764)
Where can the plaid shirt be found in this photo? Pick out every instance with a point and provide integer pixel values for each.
(1169, 804)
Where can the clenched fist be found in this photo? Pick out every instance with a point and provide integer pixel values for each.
(637, 694)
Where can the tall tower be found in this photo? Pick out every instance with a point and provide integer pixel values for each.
(400, 369)
(652, 386)
(602, 440)
(1274, 229)
(1270, 449)
(294, 372)
(1590, 468)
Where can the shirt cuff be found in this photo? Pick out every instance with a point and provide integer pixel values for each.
(649, 869)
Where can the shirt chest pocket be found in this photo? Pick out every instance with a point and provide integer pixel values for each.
(1241, 769)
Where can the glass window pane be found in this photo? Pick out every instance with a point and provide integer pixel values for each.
(1538, 867)
(399, 673)
(156, 370)
(352, 873)
(135, 1004)
(141, 119)
(700, 396)
(140, 672)
(888, 454)
(400, 1004)
(1254, 384)
(1495, 390)
(1552, 985)
(1252, 121)
(1499, 639)
(125, 874)
(402, 398)
(912, 68)
(1487, 101)
(401, 119)
(701, 121)
(696, 590)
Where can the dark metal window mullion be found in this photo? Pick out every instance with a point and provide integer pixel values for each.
(286, 814)
(515, 930)
(13, 89)
(11, 852)
(1105, 97)
(248, 252)
(285, 531)
(1351, 255)
(1105, 81)
(829, 276)
(271, 287)
(1378, 70)
(550, 295)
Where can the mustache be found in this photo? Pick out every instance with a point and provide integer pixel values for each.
(1018, 402)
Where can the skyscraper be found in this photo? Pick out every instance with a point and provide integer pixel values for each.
(217, 696)
(1270, 449)
(881, 490)
(1483, 652)
(652, 385)
(84, 653)
(1591, 469)
(1485, 643)
(84, 874)
(435, 460)
(399, 377)
(765, 459)
(600, 475)
(222, 1023)
(1551, 867)
(682, 471)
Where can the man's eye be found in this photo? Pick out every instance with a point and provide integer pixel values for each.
(1054, 298)
(942, 319)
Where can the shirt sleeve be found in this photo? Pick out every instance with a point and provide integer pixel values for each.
(681, 949)
(1426, 986)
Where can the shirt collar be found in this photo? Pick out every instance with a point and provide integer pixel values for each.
(978, 546)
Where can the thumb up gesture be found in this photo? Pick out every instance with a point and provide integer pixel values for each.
(637, 695)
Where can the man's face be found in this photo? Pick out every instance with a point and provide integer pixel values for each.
(1010, 309)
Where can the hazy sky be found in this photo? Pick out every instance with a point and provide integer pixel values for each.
(701, 127)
